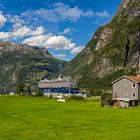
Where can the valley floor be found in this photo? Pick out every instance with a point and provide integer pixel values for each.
(28, 118)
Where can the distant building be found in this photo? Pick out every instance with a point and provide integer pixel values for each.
(126, 91)
(59, 85)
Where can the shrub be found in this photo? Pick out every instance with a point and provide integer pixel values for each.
(29, 90)
(39, 93)
(106, 99)
(74, 97)
(20, 88)
(95, 92)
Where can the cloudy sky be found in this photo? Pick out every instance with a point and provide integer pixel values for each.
(61, 26)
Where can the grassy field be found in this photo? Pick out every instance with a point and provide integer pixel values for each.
(27, 118)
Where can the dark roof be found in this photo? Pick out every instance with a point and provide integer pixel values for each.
(132, 78)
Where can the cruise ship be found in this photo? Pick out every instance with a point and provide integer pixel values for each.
(59, 85)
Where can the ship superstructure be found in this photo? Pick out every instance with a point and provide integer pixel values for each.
(59, 85)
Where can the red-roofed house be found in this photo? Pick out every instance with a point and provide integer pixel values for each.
(126, 91)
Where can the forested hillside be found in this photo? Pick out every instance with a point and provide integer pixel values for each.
(22, 63)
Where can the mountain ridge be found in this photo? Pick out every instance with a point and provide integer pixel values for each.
(24, 63)
(112, 51)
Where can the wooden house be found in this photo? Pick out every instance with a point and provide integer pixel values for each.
(126, 91)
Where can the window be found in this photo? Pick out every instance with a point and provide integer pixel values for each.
(126, 84)
(133, 95)
(125, 93)
(133, 85)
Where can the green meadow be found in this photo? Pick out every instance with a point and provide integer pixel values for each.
(33, 118)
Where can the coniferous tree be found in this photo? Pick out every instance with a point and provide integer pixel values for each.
(20, 88)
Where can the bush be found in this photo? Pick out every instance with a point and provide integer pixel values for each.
(39, 93)
(29, 90)
(106, 99)
(20, 88)
(95, 92)
(74, 97)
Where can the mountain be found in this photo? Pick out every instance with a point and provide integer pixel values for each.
(112, 51)
(23, 63)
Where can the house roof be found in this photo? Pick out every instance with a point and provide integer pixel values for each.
(135, 79)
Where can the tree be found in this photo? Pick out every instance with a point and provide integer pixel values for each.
(106, 99)
(103, 99)
(20, 88)
(29, 90)
(39, 93)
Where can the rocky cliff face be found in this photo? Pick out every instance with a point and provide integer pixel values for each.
(22, 63)
(113, 49)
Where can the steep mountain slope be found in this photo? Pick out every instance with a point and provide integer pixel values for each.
(112, 51)
(25, 63)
